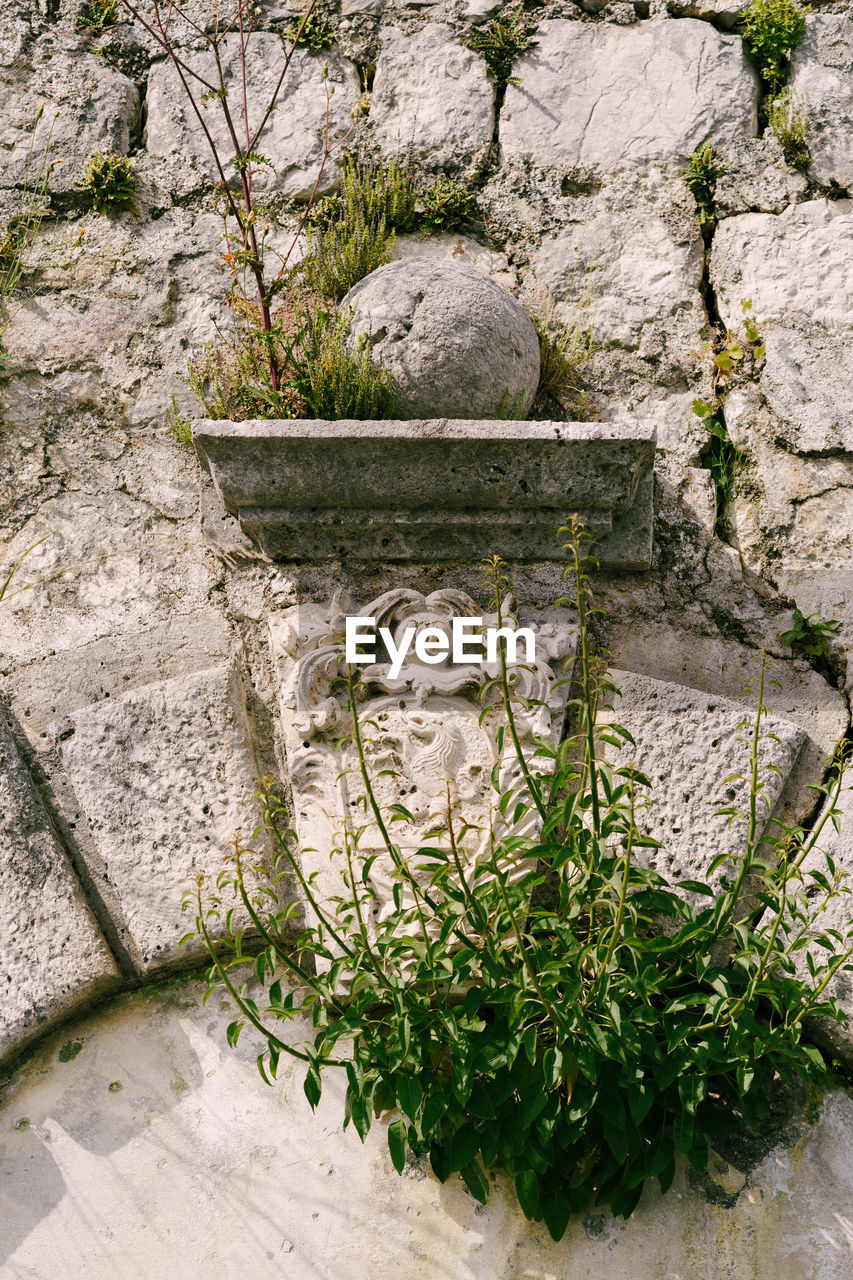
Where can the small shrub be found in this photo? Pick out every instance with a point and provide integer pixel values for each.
(701, 174)
(788, 117)
(344, 252)
(772, 29)
(333, 382)
(97, 13)
(547, 1005)
(108, 181)
(810, 635)
(180, 427)
(445, 204)
(312, 34)
(373, 192)
(503, 42)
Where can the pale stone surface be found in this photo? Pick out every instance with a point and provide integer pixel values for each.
(606, 98)
(688, 744)
(165, 776)
(105, 1181)
(52, 954)
(459, 249)
(88, 107)
(757, 178)
(822, 70)
(432, 102)
(456, 343)
(799, 262)
(808, 381)
(293, 138)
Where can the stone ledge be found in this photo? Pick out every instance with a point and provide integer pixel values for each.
(438, 489)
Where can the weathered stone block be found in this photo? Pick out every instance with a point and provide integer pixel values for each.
(432, 100)
(52, 954)
(822, 71)
(165, 776)
(432, 490)
(602, 98)
(293, 138)
(689, 744)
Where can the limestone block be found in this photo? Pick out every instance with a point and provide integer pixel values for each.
(822, 70)
(459, 249)
(634, 270)
(606, 98)
(688, 743)
(165, 776)
(88, 107)
(432, 101)
(456, 342)
(445, 490)
(808, 382)
(756, 178)
(293, 138)
(52, 954)
(798, 262)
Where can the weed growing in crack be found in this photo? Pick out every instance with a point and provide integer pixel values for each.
(788, 117)
(701, 174)
(109, 182)
(16, 243)
(502, 43)
(97, 13)
(772, 29)
(566, 345)
(810, 636)
(446, 204)
(312, 34)
(578, 1045)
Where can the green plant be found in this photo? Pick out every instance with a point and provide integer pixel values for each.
(445, 204)
(503, 42)
(180, 427)
(810, 635)
(772, 29)
(311, 33)
(701, 174)
(788, 117)
(372, 192)
(97, 13)
(109, 181)
(333, 381)
(565, 347)
(544, 1004)
(345, 251)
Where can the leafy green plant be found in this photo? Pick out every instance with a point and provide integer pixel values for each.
(312, 34)
(180, 428)
(542, 1004)
(109, 181)
(445, 204)
(772, 29)
(375, 192)
(503, 42)
(97, 13)
(788, 117)
(810, 635)
(701, 174)
(333, 381)
(345, 251)
(566, 345)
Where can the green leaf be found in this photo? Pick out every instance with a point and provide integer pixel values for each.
(476, 1181)
(410, 1092)
(397, 1144)
(527, 1190)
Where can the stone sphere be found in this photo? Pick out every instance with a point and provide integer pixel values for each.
(456, 343)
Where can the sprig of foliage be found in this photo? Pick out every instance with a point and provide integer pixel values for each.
(97, 13)
(179, 427)
(373, 192)
(345, 251)
(578, 1040)
(810, 635)
(503, 42)
(312, 34)
(701, 174)
(109, 181)
(772, 29)
(332, 380)
(445, 204)
(788, 117)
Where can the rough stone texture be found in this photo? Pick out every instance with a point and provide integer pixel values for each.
(88, 107)
(456, 343)
(52, 954)
(687, 744)
(113, 1160)
(605, 98)
(432, 101)
(757, 178)
(461, 250)
(433, 489)
(292, 140)
(822, 70)
(165, 776)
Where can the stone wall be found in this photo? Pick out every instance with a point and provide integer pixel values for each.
(141, 670)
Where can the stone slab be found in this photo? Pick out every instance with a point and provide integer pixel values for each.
(432, 103)
(53, 956)
(293, 138)
(165, 776)
(822, 71)
(688, 743)
(428, 489)
(603, 98)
